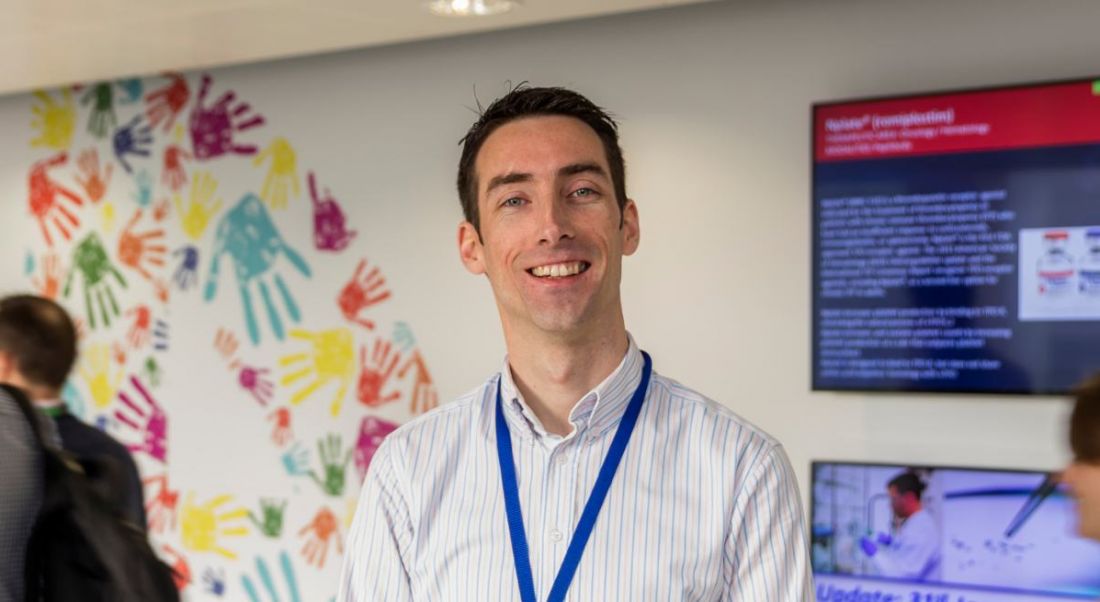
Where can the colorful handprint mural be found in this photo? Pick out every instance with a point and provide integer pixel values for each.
(166, 214)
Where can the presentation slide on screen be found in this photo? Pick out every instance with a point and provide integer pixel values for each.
(974, 536)
(957, 241)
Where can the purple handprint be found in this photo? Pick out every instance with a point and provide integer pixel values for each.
(149, 420)
(330, 232)
(255, 381)
(212, 127)
(132, 139)
(371, 433)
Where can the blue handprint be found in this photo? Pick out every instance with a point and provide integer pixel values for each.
(73, 399)
(132, 139)
(269, 583)
(296, 460)
(247, 234)
(131, 90)
(214, 580)
(143, 196)
(187, 272)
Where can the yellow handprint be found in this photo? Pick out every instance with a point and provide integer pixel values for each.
(282, 174)
(107, 216)
(202, 525)
(95, 370)
(54, 121)
(198, 213)
(332, 358)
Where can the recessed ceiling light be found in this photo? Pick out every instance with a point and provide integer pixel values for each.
(471, 8)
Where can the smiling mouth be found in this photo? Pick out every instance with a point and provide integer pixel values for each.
(560, 270)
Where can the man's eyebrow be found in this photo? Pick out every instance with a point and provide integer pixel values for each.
(508, 178)
(577, 168)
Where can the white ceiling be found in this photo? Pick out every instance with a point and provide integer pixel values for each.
(50, 42)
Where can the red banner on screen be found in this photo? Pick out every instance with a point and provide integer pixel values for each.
(1049, 115)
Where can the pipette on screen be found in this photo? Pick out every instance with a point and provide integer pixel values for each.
(1031, 504)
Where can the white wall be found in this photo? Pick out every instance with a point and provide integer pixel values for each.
(714, 103)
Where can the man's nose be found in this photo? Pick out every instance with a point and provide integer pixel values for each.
(554, 222)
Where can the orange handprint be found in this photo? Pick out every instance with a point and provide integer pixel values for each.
(91, 179)
(319, 534)
(50, 284)
(181, 571)
(362, 292)
(424, 396)
(139, 331)
(374, 376)
(43, 199)
(174, 175)
(145, 247)
(226, 344)
(160, 511)
(282, 433)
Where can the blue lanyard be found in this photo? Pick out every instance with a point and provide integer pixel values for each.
(520, 552)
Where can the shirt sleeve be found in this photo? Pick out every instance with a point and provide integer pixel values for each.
(376, 565)
(913, 553)
(767, 555)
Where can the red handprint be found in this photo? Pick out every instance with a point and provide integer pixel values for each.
(139, 330)
(282, 433)
(371, 433)
(362, 292)
(134, 249)
(165, 104)
(375, 374)
(175, 176)
(94, 182)
(43, 200)
(181, 571)
(50, 284)
(424, 396)
(255, 382)
(212, 128)
(149, 421)
(160, 511)
(319, 533)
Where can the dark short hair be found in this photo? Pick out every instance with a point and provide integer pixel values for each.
(524, 101)
(1084, 421)
(907, 482)
(41, 338)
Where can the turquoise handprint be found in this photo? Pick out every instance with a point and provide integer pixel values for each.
(268, 583)
(248, 236)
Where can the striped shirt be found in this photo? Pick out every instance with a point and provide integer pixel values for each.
(703, 507)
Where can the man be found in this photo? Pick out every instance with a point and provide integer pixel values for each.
(37, 351)
(1083, 474)
(576, 470)
(912, 549)
(20, 495)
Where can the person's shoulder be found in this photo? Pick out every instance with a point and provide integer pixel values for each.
(457, 418)
(83, 439)
(714, 421)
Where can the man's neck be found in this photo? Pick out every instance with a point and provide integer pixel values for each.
(35, 393)
(553, 375)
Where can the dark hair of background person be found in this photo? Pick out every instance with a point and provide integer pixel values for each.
(524, 101)
(907, 482)
(40, 337)
(1084, 422)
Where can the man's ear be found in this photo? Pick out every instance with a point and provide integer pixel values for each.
(7, 367)
(470, 249)
(631, 230)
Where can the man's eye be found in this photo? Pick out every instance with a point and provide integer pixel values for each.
(512, 202)
(584, 192)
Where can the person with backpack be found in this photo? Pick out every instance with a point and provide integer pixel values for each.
(20, 495)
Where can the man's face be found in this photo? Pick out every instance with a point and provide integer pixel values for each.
(1083, 479)
(551, 242)
(901, 503)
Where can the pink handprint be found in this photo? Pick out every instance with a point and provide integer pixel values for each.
(424, 396)
(212, 128)
(361, 292)
(165, 104)
(160, 511)
(175, 176)
(91, 178)
(43, 199)
(371, 433)
(148, 420)
(139, 330)
(282, 433)
(255, 382)
(376, 373)
(330, 232)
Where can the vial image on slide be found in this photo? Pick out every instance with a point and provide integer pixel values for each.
(1060, 273)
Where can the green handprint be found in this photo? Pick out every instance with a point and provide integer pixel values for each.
(102, 117)
(91, 260)
(272, 513)
(151, 372)
(334, 467)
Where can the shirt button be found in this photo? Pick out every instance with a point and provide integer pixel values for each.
(555, 535)
(562, 461)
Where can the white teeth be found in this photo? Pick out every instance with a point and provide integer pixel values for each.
(559, 270)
